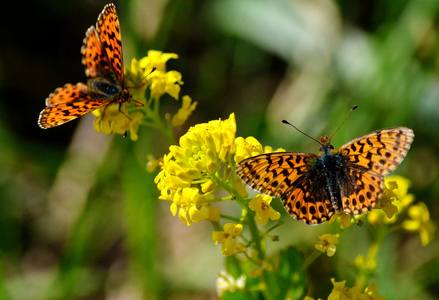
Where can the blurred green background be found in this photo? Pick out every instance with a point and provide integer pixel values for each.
(79, 216)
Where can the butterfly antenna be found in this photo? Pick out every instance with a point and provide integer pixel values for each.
(288, 123)
(352, 109)
(139, 83)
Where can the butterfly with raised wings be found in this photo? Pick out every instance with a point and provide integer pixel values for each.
(313, 187)
(103, 60)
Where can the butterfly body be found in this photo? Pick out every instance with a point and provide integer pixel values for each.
(103, 60)
(329, 170)
(313, 187)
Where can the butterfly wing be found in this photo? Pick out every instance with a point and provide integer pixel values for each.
(68, 103)
(369, 158)
(108, 30)
(93, 57)
(286, 175)
(308, 202)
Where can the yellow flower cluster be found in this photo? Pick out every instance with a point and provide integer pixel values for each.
(395, 201)
(341, 292)
(228, 238)
(147, 73)
(193, 170)
(202, 163)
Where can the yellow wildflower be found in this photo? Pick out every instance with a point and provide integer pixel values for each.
(328, 243)
(192, 206)
(110, 119)
(135, 80)
(196, 164)
(394, 200)
(249, 147)
(340, 292)
(156, 59)
(187, 107)
(162, 83)
(261, 205)
(420, 221)
(153, 162)
(345, 219)
(372, 292)
(246, 148)
(228, 238)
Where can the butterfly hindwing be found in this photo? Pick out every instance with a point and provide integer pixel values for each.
(68, 103)
(307, 204)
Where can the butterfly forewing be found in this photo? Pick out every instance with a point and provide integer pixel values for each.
(108, 29)
(274, 174)
(93, 57)
(380, 151)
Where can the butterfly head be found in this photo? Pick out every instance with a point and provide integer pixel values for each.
(325, 141)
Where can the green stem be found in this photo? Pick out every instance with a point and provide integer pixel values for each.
(153, 114)
(309, 261)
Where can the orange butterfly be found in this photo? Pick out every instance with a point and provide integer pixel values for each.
(103, 59)
(314, 187)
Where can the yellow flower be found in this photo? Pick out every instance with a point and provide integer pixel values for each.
(340, 292)
(328, 243)
(187, 107)
(394, 200)
(246, 148)
(201, 159)
(133, 124)
(156, 59)
(162, 83)
(153, 162)
(345, 219)
(420, 221)
(372, 292)
(192, 206)
(261, 205)
(240, 186)
(110, 119)
(249, 147)
(228, 239)
(135, 80)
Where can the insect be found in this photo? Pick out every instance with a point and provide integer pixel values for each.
(103, 60)
(313, 187)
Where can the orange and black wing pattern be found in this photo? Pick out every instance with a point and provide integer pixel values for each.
(102, 57)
